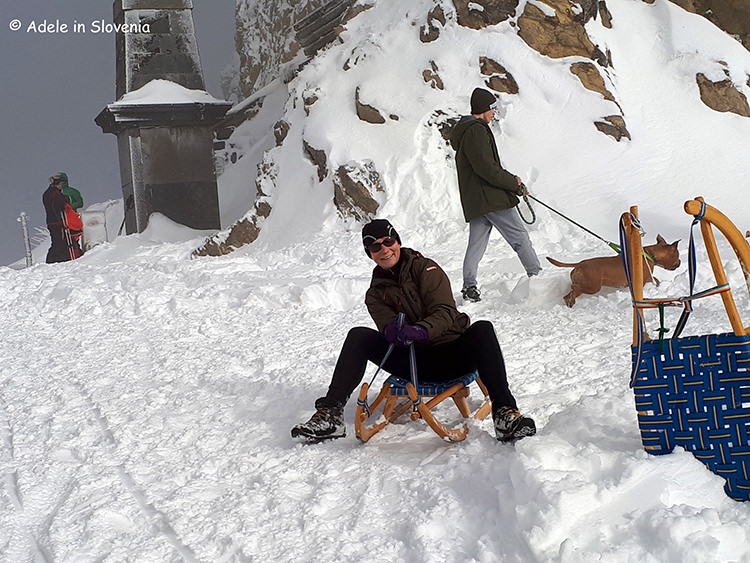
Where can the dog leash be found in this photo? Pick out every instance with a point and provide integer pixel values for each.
(525, 196)
(650, 261)
(612, 245)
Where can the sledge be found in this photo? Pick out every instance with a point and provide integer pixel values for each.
(693, 392)
(399, 396)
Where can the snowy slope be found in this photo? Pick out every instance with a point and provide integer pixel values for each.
(546, 134)
(146, 398)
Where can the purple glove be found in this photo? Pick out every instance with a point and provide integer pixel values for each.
(413, 333)
(391, 331)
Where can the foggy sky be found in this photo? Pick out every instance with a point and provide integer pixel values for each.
(54, 85)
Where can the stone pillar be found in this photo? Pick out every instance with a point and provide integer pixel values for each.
(163, 118)
(162, 46)
(166, 158)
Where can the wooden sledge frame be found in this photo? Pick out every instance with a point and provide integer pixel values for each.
(710, 217)
(392, 409)
(692, 391)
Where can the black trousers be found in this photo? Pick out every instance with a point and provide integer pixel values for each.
(476, 349)
(58, 251)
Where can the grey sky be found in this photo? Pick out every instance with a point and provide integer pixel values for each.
(54, 85)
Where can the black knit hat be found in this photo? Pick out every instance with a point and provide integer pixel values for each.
(375, 229)
(481, 101)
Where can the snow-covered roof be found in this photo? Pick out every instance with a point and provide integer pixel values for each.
(162, 91)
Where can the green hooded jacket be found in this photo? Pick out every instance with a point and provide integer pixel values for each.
(483, 183)
(76, 199)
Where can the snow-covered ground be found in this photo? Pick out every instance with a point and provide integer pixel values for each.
(146, 398)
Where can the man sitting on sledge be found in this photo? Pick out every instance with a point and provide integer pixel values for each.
(447, 344)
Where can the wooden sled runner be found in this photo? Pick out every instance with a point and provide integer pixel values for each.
(414, 392)
(421, 398)
(694, 391)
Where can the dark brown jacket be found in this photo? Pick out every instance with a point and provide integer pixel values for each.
(418, 287)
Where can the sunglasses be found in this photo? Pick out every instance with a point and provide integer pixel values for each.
(376, 247)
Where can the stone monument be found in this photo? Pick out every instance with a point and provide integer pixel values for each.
(163, 118)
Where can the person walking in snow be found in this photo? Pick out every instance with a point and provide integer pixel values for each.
(446, 342)
(489, 193)
(64, 246)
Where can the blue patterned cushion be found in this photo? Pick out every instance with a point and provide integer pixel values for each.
(428, 388)
(696, 394)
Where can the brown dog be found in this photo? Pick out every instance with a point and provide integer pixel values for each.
(589, 276)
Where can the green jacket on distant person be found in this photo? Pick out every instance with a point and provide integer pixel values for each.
(76, 199)
(483, 183)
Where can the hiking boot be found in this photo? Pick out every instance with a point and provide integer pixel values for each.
(471, 293)
(511, 425)
(326, 424)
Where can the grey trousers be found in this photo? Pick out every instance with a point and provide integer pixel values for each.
(508, 223)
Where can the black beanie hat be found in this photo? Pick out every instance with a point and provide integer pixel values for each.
(375, 229)
(481, 101)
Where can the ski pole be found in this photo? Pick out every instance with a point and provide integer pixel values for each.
(612, 245)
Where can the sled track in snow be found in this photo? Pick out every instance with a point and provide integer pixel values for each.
(10, 474)
(35, 512)
(159, 523)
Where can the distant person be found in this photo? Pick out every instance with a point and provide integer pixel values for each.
(64, 241)
(489, 193)
(76, 199)
(446, 343)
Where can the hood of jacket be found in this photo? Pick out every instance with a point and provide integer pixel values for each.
(461, 127)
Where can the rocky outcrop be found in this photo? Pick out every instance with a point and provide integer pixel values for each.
(243, 232)
(280, 131)
(246, 230)
(318, 158)
(498, 78)
(591, 79)
(558, 31)
(308, 99)
(478, 14)
(266, 38)
(444, 123)
(556, 28)
(435, 22)
(263, 49)
(432, 77)
(733, 16)
(722, 96)
(353, 186)
(366, 112)
(614, 126)
(605, 15)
